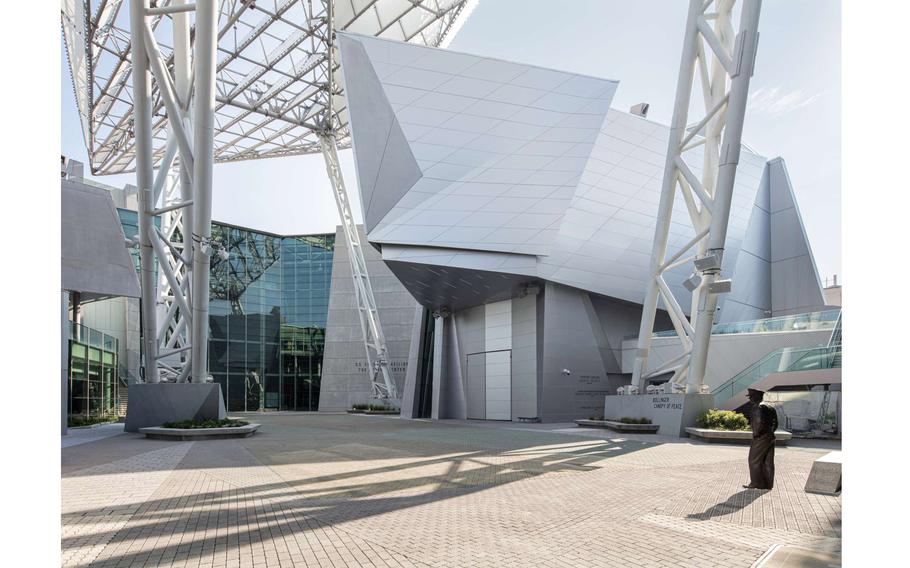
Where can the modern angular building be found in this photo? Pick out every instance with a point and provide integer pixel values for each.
(519, 209)
(510, 212)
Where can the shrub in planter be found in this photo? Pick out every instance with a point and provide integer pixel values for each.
(77, 421)
(207, 423)
(715, 419)
(627, 420)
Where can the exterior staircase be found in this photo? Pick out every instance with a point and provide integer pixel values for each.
(122, 398)
(786, 366)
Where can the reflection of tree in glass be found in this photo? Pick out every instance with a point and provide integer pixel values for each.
(251, 254)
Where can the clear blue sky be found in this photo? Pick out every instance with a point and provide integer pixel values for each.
(794, 109)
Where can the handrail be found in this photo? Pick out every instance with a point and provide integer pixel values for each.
(835, 340)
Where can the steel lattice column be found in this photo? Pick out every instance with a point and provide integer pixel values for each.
(205, 49)
(142, 125)
(731, 62)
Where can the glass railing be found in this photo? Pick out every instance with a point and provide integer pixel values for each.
(786, 359)
(799, 322)
(88, 336)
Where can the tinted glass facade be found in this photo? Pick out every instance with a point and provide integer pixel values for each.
(268, 305)
(268, 308)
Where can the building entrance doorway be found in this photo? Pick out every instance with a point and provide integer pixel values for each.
(489, 392)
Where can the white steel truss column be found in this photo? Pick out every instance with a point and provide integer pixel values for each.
(180, 194)
(142, 124)
(204, 60)
(382, 383)
(724, 64)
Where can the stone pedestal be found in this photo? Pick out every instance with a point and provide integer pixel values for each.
(825, 476)
(154, 404)
(673, 412)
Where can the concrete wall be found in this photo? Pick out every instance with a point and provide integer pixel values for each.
(345, 373)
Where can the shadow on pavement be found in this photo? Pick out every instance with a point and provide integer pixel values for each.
(734, 503)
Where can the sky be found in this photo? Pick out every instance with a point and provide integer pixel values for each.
(794, 104)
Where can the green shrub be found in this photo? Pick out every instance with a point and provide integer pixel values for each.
(595, 417)
(207, 423)
(627, 420)
(360, 407)
(715, 419)
(76, 421)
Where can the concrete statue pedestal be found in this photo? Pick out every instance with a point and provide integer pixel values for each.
(825, 476)
(153, 404)
(672, 412)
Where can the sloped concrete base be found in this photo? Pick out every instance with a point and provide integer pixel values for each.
(155, 404)
(825, 476)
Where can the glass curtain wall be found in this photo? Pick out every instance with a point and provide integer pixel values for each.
(267, 314)
(93, 375)
(268, 308)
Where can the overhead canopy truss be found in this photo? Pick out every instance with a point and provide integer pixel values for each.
(271, 75)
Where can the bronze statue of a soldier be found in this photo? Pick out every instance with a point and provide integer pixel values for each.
(761, 454)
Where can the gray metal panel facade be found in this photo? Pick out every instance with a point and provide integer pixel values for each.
(94, 258)
(775, 272)
(529, 181)
(524, 170)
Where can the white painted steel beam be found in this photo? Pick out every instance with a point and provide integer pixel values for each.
(382, 384)
(142, 124)
(205, 59)
(724, 63)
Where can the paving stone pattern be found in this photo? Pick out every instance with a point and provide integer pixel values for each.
(339, 490)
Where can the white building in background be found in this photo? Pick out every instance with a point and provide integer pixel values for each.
(518, 208)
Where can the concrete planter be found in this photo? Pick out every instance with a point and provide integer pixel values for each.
(352, 411)
(385, 412)
(185, 434)
(620, 426)
(733, 436)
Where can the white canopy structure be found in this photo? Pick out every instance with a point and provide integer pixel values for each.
(219, 81)
(271, 74)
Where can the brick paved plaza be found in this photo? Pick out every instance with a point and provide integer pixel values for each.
(339, 490)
